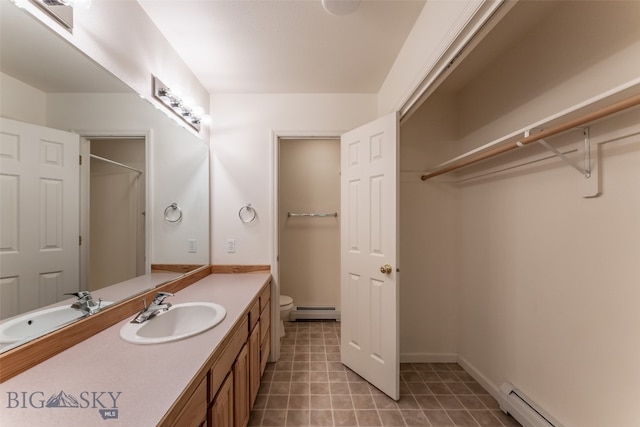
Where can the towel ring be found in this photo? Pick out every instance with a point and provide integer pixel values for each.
(171, 210)
(247, 214)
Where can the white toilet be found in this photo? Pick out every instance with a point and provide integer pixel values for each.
(286, 305)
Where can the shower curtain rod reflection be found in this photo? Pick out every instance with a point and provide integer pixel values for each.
(93, 156)
(318, 215)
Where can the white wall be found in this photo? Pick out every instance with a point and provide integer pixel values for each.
(242, 159)
(179, 165)
(22, 102)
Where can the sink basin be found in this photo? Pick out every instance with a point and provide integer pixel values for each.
(179, 322)
(39, 322)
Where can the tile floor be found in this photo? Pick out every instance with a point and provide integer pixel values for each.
(309, 386)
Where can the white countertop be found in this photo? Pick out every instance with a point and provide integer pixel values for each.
(143, 380)
(113, 293)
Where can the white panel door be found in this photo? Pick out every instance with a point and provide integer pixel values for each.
(369, 295)
(39, 215)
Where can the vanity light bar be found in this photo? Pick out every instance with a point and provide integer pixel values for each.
(60, 10)
(174, 103)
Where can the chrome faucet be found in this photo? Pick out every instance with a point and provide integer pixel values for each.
(157, 306)
(85, 302)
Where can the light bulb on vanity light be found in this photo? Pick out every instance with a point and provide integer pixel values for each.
(198, 111)
(182, 107)
(340, 7)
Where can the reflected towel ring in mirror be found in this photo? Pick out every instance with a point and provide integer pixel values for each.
(247, 214)
(173, 213)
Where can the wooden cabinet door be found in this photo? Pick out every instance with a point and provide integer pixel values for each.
(265, 349)
(254, 364)
(241, 388)
(194, 413)
(221, 414)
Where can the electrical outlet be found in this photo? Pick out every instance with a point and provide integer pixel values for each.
(192, 246)
(231, 246)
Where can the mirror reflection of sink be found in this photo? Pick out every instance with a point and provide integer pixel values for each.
(179, 322)
(39, 322)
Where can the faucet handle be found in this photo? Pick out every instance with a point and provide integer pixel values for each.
(80, 295)
(160, 297)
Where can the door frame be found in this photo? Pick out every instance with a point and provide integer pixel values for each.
(274, 168)
(85, 138)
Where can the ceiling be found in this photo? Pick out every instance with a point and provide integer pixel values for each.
(285, 46)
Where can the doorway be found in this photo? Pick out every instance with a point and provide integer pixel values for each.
(114, 206)
(309, 226)
(289, 140)
(368, 215)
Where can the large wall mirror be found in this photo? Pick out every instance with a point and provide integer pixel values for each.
(139, 199)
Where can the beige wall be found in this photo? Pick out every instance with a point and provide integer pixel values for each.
(428, 243)
(117, 208)
(549, 285)
(309, 182)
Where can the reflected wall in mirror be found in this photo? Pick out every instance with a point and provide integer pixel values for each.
(55, 105)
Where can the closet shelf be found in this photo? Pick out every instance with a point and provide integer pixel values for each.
(497, 147)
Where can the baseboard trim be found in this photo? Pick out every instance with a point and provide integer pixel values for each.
(428, 357)
(453, 358)
(479, 377)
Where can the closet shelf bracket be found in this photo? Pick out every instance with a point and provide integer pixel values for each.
(589, 185)
(586, 170)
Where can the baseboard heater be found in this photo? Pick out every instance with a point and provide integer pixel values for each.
(314, 313)
(523, 409)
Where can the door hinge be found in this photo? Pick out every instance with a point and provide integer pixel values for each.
(79, 240)
(80, 156)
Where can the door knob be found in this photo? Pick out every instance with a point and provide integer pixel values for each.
(386, 269)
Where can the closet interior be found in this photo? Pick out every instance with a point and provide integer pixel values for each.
(117, 201)
(504, 261)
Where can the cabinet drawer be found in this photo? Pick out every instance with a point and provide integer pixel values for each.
(265, 348)
(254, 314)
(194, 412)
(265, 322)
(223, 365)
(265, 297)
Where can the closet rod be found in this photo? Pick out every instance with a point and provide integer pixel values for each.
(93, 156)
(492, 152)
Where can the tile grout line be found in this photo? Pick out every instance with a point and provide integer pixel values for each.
(304, 334)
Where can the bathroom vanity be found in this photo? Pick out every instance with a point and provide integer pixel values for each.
(208, 379)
